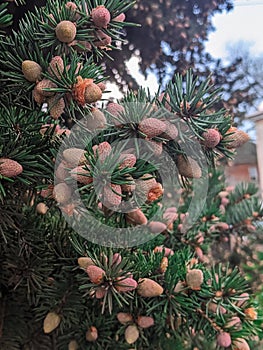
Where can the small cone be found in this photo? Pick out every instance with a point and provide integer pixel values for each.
(100, 293)
(42, 208)
(224, 339)
(171, 131)
(73, 345)
(45, 84)
(212, 137)
(131, 334)
(188, 167)
(92, 334)
(101, 16)
(62, 193)
(152, 127)
(66, 31)
(124, 317)
(127, 160)
(95, 120)
(81, 175)
(10, 167)
(194, 279)
(74, 156)
(95, 273)
(84, 262)
(56, 106)
(157, 227)
(103, 150)
(31, 70)
(92, 93)
(51, 322)
(126, 285)
(145, 321)
(149, 288)
(112, 195)
(236, 139)
(136, 217)
(56, 67)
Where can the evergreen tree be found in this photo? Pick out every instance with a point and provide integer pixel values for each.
(95, 253)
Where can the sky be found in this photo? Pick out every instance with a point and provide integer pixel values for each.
(244, 22)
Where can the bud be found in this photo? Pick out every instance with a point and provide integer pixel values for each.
(95, 273)
(131, 334)
(149, 288)
(124, 317)
(84, 262)
(224, 339)
(145, 321)
(51, 322)
(92, 334)
(31, 70)
(194, 279)
(66, 31)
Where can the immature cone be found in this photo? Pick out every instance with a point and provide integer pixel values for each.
(116, 259)
(95, 120)
(224, 339)
(156, 147)
(112, 195)
(81, 175)
(194, 279)
(131, 334)
(120, 18)
(45, 84)
(56, 106)
(56, 67)
(149, 288)
(95, 273)
(145, 321)
(167, 251)
(101, 16)
(31, 70)
(240, 344)
(10, 167)
(188, 167)
(74, 156)
(152, 127)
(136, 217)
(73, 345)
(126, 285)
(42, 208)
(66, 31)
(92, 93)
(237, 138)
(62, 193)
(124, 317)
(92, 334)
(62, 172)
(127, 160)
(51, 322)
(171, 131)
(84, 262)
(212, 137)
(103, 150)
(115, 110)
(157, 227)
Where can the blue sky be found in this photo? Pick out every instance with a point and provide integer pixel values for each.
(245, 23)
